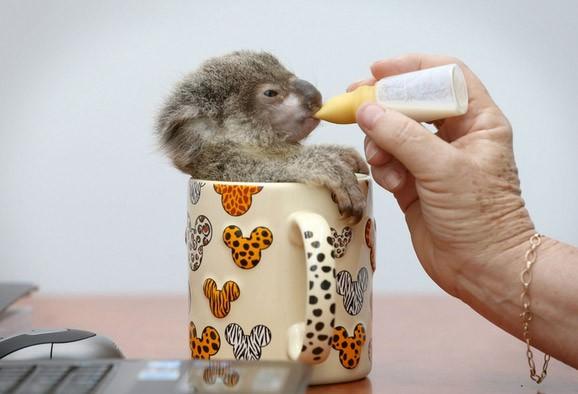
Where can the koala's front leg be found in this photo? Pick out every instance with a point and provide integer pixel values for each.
(331, 168)
(349, 155)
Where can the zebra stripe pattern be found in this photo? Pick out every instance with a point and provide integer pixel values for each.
(247, 347)
(352, 291)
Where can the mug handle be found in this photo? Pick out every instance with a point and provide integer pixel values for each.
(309, 341)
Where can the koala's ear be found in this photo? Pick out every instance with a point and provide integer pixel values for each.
(234, 334)
(343, 280)
(362, 277)
(170, 121)
(261, 335)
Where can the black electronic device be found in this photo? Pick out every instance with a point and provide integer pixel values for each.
(58, 344)
(10, 292)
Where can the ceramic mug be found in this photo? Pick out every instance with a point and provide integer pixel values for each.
(275, 273)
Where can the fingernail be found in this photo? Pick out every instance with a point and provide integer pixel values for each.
(368, 115)
(391, 179)
(370, 150)
(354, 85)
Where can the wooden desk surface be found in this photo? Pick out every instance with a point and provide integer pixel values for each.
(421, 344)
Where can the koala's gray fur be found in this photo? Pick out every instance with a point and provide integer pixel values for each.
(222, 123)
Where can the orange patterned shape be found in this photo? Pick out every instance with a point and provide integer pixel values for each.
(246, 251)
(236, 199)
(207, 345)
(221, 370)
(349, 347)
(370, 350)
(370, 241)
(220, 300)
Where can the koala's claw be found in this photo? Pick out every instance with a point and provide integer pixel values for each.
(335, 168)
(350, 202)
(363, 168)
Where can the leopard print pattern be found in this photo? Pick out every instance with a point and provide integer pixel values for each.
(370, 241)
(349, 347)
(320, 306)
(236, 199)
(222, 370)
(246, 251)
(197, 236)
(339, 241)
(207, 345)
(220, 300)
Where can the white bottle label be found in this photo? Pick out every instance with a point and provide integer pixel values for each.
(425, 95)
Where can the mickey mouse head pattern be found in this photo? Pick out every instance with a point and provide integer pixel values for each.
(236, 199)
(370, 241)
(195, 190)
(246, 252)
(221, 370)
(352, 291)
(220, 300)
(197, 237)
(340, 241)
(370, 349)
(207, 345)
(349, 347)
(247, 347)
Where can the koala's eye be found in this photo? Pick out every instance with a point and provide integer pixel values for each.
(270, 93)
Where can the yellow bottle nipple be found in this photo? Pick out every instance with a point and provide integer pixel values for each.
(342, 109)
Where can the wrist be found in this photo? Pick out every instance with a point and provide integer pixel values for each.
(496, 295)
(492, 288)
(491, 283)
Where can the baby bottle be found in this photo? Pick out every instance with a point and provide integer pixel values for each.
(424, 95)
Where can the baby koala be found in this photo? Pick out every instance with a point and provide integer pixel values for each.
(240, 117)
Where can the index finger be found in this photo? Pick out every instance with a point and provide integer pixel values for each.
(418, 61)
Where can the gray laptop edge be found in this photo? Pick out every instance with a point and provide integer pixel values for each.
(153, 376)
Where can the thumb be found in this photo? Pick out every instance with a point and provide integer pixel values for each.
(418, 149)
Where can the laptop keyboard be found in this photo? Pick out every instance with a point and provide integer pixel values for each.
(57, 379)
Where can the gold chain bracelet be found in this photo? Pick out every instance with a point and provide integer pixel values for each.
(526, 315)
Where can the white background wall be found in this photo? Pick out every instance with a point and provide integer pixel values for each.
(87, 204)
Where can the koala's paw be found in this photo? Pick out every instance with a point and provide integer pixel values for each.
(334, 167)
(349, 198)
(354, 160)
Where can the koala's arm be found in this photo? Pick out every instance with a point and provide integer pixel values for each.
(333, 167)
(328, 165)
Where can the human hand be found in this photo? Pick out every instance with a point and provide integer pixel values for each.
(459, 189)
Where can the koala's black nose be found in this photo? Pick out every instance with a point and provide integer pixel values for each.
(311, 96)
